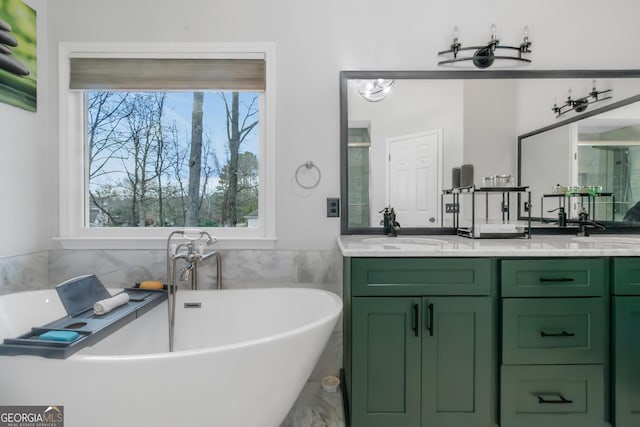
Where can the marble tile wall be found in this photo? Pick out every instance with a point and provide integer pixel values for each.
(240, 269)
(24, 272)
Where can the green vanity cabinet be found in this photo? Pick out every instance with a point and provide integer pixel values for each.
(421, 341)
(555, 342)
(422, 360)
(626, 342)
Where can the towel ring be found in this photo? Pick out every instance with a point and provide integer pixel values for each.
(308, 165)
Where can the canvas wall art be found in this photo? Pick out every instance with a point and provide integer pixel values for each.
(18, 68)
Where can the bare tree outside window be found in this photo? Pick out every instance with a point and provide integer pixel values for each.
(172, 158)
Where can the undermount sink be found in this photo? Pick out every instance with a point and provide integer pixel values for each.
(609, 240)
(403, 241)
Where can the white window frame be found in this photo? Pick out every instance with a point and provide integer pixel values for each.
(73, 234)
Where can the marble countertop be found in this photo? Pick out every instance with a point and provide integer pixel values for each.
(456, 246)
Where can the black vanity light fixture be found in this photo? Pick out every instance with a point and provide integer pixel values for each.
(484, 56)
(374, 90)
(580, 104)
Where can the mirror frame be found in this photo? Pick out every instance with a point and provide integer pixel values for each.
(345, 76)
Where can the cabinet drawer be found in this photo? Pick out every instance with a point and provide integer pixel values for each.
(552, 396)
(554, 331)
(626, 276)
(422, 276)
(554, 277)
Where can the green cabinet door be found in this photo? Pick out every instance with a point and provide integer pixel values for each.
(627, 361)
(458, 362)
(386, 369)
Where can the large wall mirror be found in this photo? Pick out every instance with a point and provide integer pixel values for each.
(402, 133)
(591, 163)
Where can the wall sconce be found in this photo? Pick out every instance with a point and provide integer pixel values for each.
(374, 90)
(580, 104)
(485, 56)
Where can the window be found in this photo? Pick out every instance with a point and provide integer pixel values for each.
(154, 138)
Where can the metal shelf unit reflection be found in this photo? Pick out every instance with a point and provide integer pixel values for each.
(454, 209)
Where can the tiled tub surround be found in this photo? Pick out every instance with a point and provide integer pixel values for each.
(240, 269)
(24, 272)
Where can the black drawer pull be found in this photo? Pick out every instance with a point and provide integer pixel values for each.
(430, 328)
(557, 279)
(561, 334)
(416, 320)
(560, 398)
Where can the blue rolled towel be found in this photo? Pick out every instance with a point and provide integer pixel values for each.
(63, 336)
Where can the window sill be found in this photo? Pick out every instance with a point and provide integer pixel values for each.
(157, 243)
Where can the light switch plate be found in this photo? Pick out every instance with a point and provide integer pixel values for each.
(333, 207)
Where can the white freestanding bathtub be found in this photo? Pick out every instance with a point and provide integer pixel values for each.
(239, 360)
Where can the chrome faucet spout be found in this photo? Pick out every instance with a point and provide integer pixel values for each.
(208, 255)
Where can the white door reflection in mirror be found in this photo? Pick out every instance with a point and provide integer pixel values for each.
(413, 171)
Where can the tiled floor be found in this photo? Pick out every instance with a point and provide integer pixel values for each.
(316, 408)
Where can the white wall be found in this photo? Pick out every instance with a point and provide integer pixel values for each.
(24, 176)
(490, 132)
(315, 40)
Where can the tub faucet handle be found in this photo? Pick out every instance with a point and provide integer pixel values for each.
(185, 272)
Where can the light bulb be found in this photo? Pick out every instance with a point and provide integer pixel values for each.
(493, 31)
(525, 33)
(456, 33)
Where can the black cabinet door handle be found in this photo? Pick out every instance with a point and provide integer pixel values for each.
(561, 334)
(560, 399)
(416, 320)
(430, 327)
(557, 279)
